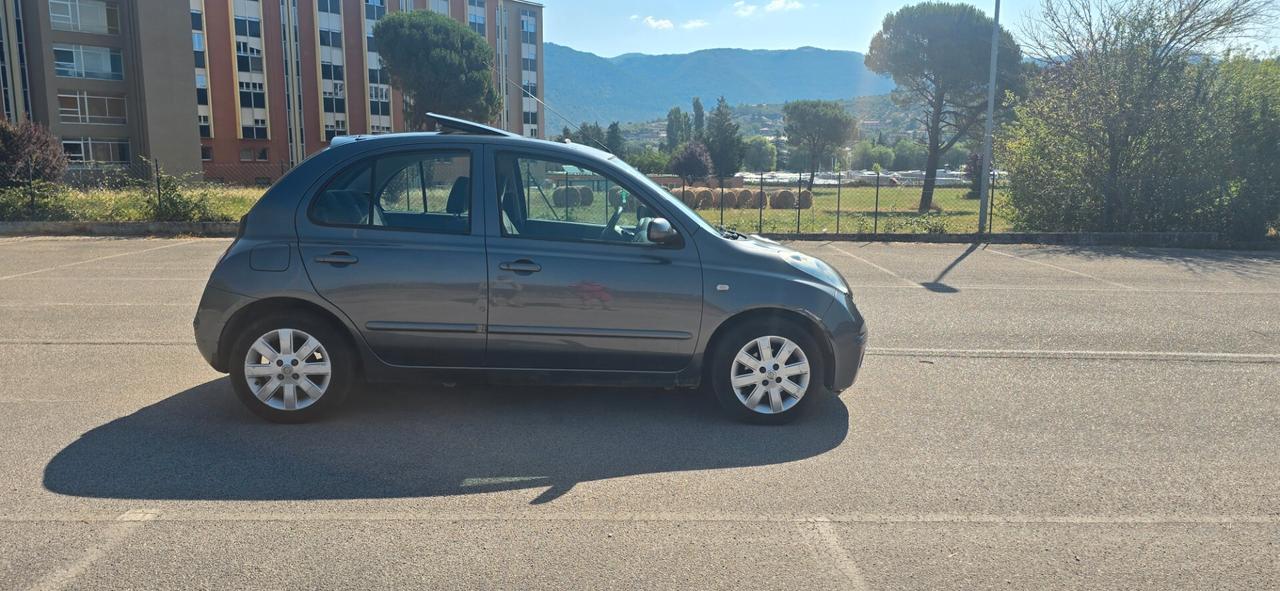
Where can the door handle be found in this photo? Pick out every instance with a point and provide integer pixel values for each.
(338, 258)
(521, 266)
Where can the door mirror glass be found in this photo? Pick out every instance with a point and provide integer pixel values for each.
(662, 232)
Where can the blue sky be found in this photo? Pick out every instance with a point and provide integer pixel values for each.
(612, 27)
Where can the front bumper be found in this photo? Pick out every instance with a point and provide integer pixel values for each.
(848, 350)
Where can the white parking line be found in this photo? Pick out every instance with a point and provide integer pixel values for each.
(856, 257)
(1053, 266)
(124, 525)
(1078, 354)
(94, 260)
(827, 543)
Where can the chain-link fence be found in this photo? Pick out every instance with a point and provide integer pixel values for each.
(843, 203)
(771, 203)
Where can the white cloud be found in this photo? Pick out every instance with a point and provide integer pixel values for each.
(743, 9)
(696, 23)
(661, 24)
(777, 5)
(635, 17)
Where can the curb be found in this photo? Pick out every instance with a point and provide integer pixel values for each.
(204, 229)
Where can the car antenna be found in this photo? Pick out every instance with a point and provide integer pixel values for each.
(557, 113)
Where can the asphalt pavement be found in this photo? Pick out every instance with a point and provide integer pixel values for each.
(1029, 417)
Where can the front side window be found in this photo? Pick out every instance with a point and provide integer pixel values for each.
(423, 191)
(546, 199)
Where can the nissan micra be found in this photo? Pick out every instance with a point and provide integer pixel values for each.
(475, 253)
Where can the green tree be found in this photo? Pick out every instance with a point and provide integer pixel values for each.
(29, 152)
(613, 140)
(759, 154)
(939, 55)
(691, 163)
(1137, 124)
(648, 160)
(724, 142)
(909, 155)
(679, 129)
(439, 64)
(817, 127)
(699, 119)
(867, 154)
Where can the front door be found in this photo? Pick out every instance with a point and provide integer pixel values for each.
(389, 241)
(574, 282)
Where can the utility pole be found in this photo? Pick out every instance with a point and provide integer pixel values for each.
(984, 194)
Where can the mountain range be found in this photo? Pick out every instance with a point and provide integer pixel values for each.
(634, 87)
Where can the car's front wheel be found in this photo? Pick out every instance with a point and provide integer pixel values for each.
(766, 373)
(292, 370)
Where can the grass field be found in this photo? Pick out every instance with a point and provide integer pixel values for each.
(858, 212)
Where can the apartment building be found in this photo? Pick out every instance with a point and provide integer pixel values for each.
(103, 75)
(276, 80)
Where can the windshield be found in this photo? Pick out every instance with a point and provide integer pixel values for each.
(644, 179)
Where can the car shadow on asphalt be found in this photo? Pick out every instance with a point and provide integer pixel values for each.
(201, 444)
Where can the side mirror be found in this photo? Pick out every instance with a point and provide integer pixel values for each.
(661, 232)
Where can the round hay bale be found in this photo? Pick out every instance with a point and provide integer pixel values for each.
(806, 199)
(729, 200)
(705, 198)
(688, 197)
(747, 199)
(586, 196)
(783, 199)
(560, 197)
(615, 199)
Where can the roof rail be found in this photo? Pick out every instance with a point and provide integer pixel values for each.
(462, 126)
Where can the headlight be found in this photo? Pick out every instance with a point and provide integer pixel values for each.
(817, 269)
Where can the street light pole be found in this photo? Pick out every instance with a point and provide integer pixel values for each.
(983, 193)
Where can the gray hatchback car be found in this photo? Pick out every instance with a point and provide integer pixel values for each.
(473, 252)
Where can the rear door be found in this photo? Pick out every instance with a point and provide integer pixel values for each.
(394, 242)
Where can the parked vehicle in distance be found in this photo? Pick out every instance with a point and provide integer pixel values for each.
(473, 252)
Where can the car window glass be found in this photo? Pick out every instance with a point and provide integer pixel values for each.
(424, 191)
(556, 200)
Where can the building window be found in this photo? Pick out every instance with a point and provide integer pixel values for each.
(528, 26)
(253, 94)
(248, 27)
(330, 38)
(440, 6)
(82, 107)
(329, 6)
(246, 154)
(206, 130)
(530, 118)
(87, 61)
(85, 152)
(248, 58)
(85, 16)
(197, 21)
(530, 89)
(206, 152)
(476, 16)
(375, 9)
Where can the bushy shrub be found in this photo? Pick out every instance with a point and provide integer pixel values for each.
(38, 201)
(173, 202)
(28, 152)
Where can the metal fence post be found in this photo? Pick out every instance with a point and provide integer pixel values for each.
(159, 196)
(839, 179)
(991, 209)
(761, 197)
(721, 202)
(567, 198)
(875, 217)
(799, 188)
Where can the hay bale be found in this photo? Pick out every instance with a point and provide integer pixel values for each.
(747, 199)
(586, 196)
(615, 199)
(806, 199)
(688, 197)
(706, 199)
(783, 199)
(727, 199)
(560, 197)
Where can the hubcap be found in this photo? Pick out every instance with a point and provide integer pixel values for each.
(287, 369)
(770, 374)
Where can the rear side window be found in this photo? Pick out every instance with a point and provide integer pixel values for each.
(427, 191)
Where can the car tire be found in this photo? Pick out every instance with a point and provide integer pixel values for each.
(727, 368)
(291, 388)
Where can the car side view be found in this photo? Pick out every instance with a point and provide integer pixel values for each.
(476, 253)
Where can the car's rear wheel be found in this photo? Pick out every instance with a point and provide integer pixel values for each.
(766, 373)
(293, 369)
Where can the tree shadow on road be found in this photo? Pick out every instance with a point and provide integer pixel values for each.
(1256, 264)
(202, 445)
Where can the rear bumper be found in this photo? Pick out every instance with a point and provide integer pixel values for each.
(211, 317)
